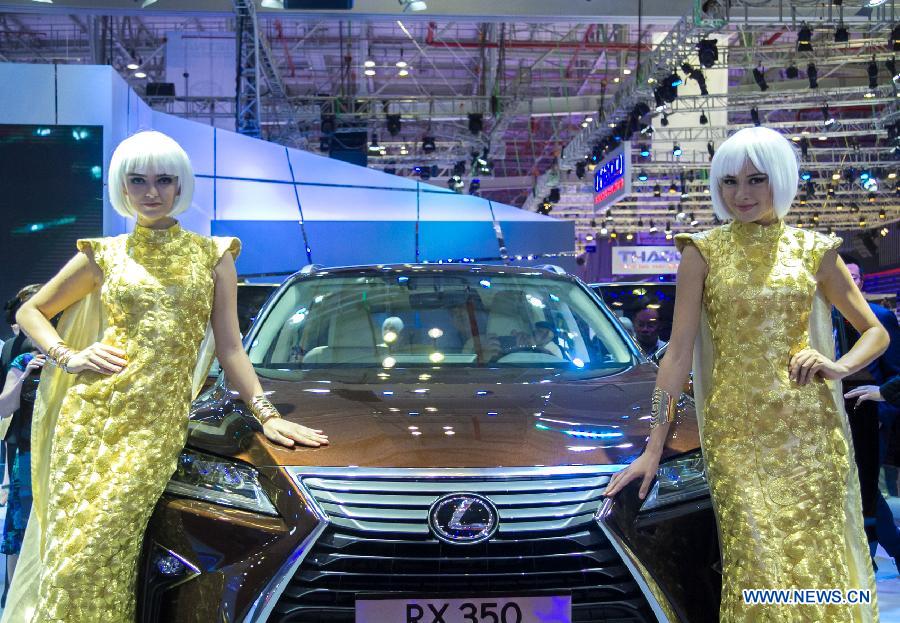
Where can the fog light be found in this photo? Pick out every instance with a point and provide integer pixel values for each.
(169, 565)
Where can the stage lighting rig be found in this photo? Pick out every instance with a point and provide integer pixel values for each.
(827, 118)
(804, 39)
(707, 52)
(428, 144)
(759, 74)
(812, 74)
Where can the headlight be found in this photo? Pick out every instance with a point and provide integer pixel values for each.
(220, 481)
(678, 480)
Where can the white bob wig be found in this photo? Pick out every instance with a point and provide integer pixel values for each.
(149, 152)
(770, 153)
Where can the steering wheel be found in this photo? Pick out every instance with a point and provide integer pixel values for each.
(521, 349)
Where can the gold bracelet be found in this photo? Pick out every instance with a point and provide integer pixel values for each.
(662, 407)
(262, 409)
(59, 355)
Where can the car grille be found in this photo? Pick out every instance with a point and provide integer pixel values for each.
(378, 543)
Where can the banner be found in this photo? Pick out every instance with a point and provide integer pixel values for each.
(661, 260)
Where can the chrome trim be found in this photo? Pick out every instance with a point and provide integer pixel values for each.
(453, 472)
(262, 607)
(628, 558)
(527, 498)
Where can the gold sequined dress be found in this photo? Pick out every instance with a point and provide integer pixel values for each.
(779, 458)
(117, 438)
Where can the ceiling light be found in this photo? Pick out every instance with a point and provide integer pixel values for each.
(132, 66)
(140, 74)
(369, 63)
(403, 73)
(272, 4)
(871, 4)
(369, 72)
(413, 5)
(626, 71)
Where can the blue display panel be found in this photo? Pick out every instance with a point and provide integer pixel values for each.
(612, 179)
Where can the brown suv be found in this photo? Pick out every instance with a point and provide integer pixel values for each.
(475, 414)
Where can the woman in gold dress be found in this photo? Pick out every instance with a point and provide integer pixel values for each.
(755, 295)
(141, 312)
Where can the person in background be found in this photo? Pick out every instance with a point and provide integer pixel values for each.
(646, 329)
(17, 402)
(12, 348)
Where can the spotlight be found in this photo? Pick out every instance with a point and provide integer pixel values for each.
(841, 34)
(894, 39)
(579, 170)
(891, 65)
(694, 221)
(665, 120)
(657, 191)
(645, 151)
(805, 176)
(707, 52)
(754, 115)
(759, 74)
(827, 119)
(813, 75)
(474, 186)
(872, 71)
(476, 122)
(700, 79)
(428, 144)
(674, 80)
(673, 188)
(804, 39)
(554, 195)
(711, 150)
(393, 124)
(792, 72)
(642, 176)
(703, 118)
(459, 169)
(373, 144)
(687, 68)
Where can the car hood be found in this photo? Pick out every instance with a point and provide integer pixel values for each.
(477, 419)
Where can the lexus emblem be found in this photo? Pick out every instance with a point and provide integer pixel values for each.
(463, 518)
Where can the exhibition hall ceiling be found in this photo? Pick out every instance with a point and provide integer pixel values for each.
(532, 94)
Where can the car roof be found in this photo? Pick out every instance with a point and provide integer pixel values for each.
(476, 269)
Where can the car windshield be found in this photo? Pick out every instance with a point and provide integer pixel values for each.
(427, 319)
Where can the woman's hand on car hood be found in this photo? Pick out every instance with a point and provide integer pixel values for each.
(289, 434)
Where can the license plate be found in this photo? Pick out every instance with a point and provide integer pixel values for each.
(490, 610)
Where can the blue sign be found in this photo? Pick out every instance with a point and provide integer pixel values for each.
(612, 180)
